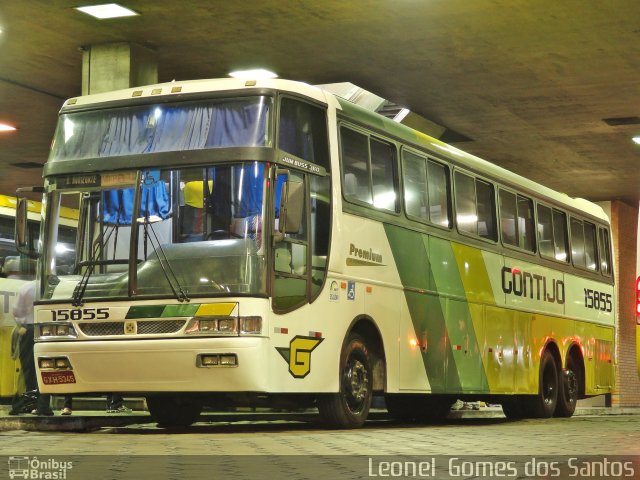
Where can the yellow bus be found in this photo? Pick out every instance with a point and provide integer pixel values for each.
(269, 243)
(15, 270)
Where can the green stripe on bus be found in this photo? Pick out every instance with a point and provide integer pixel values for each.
(426, 309)
(442, 313)
(145, 311)
(186, 310)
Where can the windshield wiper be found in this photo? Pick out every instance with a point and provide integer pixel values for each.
(98, 247)
(169, 273)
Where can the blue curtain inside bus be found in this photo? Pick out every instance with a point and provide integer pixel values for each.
(162, 128)
(154, 201)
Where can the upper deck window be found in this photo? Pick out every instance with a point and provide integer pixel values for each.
(141, 129)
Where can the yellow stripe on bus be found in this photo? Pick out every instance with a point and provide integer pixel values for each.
(215, 309)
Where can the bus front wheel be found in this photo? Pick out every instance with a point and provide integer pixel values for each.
(350, 406)
(174, 411)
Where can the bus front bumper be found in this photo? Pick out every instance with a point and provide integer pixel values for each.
(162, 365)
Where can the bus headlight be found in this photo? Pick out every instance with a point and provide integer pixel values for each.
(54, 330)
(224, 326)
(250, 325)
(212, 326)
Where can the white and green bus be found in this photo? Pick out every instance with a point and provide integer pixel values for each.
(267, 243)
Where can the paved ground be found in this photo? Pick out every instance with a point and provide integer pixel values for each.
(296, 447)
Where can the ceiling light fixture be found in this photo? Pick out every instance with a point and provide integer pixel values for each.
(107, 10)
(7, 128)
(256, 74)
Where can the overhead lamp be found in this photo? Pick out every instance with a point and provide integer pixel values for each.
(255, 74)
(636, 139)
(107, 10)
(7, 128)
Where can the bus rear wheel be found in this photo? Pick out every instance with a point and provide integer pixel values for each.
(174, 411)
(350, 406)
(543, 405)
(568, 394)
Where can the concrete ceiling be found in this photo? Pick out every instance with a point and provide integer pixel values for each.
(529, 82)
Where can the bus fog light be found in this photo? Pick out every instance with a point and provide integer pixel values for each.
(46, 363)
(230, 360)
(209, 360)
(63, 363)
(251, 325)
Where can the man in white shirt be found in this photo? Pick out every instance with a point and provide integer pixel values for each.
(23, 314)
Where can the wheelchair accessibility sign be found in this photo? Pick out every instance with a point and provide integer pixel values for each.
(351, 290)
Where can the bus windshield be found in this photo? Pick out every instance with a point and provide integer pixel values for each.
(170, 127)
(194, 231)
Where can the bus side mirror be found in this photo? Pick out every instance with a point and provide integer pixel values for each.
(21, 226)
(291, 204)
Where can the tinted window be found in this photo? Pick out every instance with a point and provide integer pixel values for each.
(577, 243)
(416, 196)
(552, 233)
(590, 247)
(466, 215)
(438, 180)
(303, 131)
(560, 238)
(605, 252)
(475, 207)
(355, 165)
(369, 170)
(383, 175)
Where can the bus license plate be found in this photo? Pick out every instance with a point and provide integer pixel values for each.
(57, 378)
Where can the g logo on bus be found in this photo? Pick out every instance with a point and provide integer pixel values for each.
(298, 355)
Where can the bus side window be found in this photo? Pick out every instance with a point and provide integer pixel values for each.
(605, 252)
(355, 165)
(545, 231)
(439, 194)
(475, 206)
(552, 233)
(577, 243)
(303, 131)
(590, 247)
(383, 175)
(560, 237)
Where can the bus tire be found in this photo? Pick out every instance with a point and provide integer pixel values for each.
(543, 405)
(174, 411)
(568, 392)
(350, 406)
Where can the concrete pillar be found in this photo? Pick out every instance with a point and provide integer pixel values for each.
(624, 229)
(114, 66)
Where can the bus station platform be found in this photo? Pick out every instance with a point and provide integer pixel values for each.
(94, 419)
